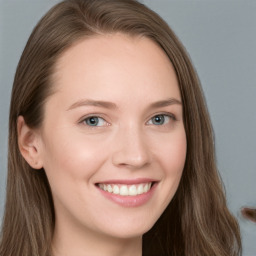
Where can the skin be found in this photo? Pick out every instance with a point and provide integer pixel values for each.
(131, 73)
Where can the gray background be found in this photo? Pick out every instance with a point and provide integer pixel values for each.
(220, 36)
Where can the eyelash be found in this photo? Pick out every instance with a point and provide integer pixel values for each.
(84, 121)
(168, 115)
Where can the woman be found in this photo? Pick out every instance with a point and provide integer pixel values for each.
(110, 146)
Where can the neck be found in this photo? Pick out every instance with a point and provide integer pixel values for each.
(78, 243)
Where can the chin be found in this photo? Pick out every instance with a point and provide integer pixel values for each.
(127, 230)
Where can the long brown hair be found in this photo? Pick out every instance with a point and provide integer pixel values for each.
(197, 220)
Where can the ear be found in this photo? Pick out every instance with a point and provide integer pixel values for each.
(29, 146)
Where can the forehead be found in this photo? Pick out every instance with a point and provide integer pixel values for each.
(115, 62)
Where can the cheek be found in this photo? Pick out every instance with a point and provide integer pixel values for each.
(69, 159)
(172, 157)
(172, 153)
(176, 154)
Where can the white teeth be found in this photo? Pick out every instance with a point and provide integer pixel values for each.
(116, 190)
(145, 188)
(132, 190)
(126, 190)
(140, 189)
(110, 189)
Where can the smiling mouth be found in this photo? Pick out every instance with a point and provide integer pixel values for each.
(126, 190)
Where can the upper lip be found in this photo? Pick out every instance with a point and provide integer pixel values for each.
(127, 181)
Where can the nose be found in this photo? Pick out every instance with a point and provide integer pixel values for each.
(131, 149)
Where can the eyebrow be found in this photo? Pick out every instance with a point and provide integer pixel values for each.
(111, 105)
(165, 103)
(96, 103)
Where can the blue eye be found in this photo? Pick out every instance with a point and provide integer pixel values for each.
(94, 121)
(159, 120)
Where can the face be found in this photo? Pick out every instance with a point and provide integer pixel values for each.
(113, 143)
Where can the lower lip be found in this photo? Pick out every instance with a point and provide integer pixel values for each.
(130, 201)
